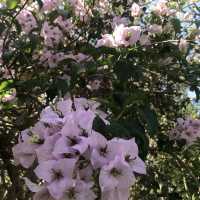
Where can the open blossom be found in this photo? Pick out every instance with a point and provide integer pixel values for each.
(77, 190)
(50, 58)
(126, 36)
(55, 173)
(49, 5)
(65, 24)
(107, 40)
(69, 152)
(117, 174)
(52, 34)
(161, 8)
(26, 20)
(187, 129)
(135, 10)
(122, 36)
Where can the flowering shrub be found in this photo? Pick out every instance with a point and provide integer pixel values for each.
(138, 59)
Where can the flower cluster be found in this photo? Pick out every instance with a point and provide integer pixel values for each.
(26, 20)
(122, 36)
(52, 34)
(81, 10)
(161, 8)
(73, 159)
(187, 129)
(49, 5)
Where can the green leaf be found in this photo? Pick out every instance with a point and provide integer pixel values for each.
(99, 125)
(11, 4)
(124, 70)
(40, 3)
(4, 85)
(116, 129)
(138, 132)
(176, 24)
(150, 118)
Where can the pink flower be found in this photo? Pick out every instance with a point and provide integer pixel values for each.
(77, 190)
(50, 58)
(81, 10)
(49, 5)
(43, 194)
(126, 36)
(117, 174)
(70, 145)
(187, 129)
(99, 154)
(55, 173)
(24, 154)
(70, 153)
(129, 151)
(44, 152)
(51, 117)
(106, 40)
(183, 45)
(52, 34)
(161, 8)
(85, 119)
(120, 20)
(64, 24)
(135, 10)
(24, 151)
(26, 20)
(71, 127)
(65, 107)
